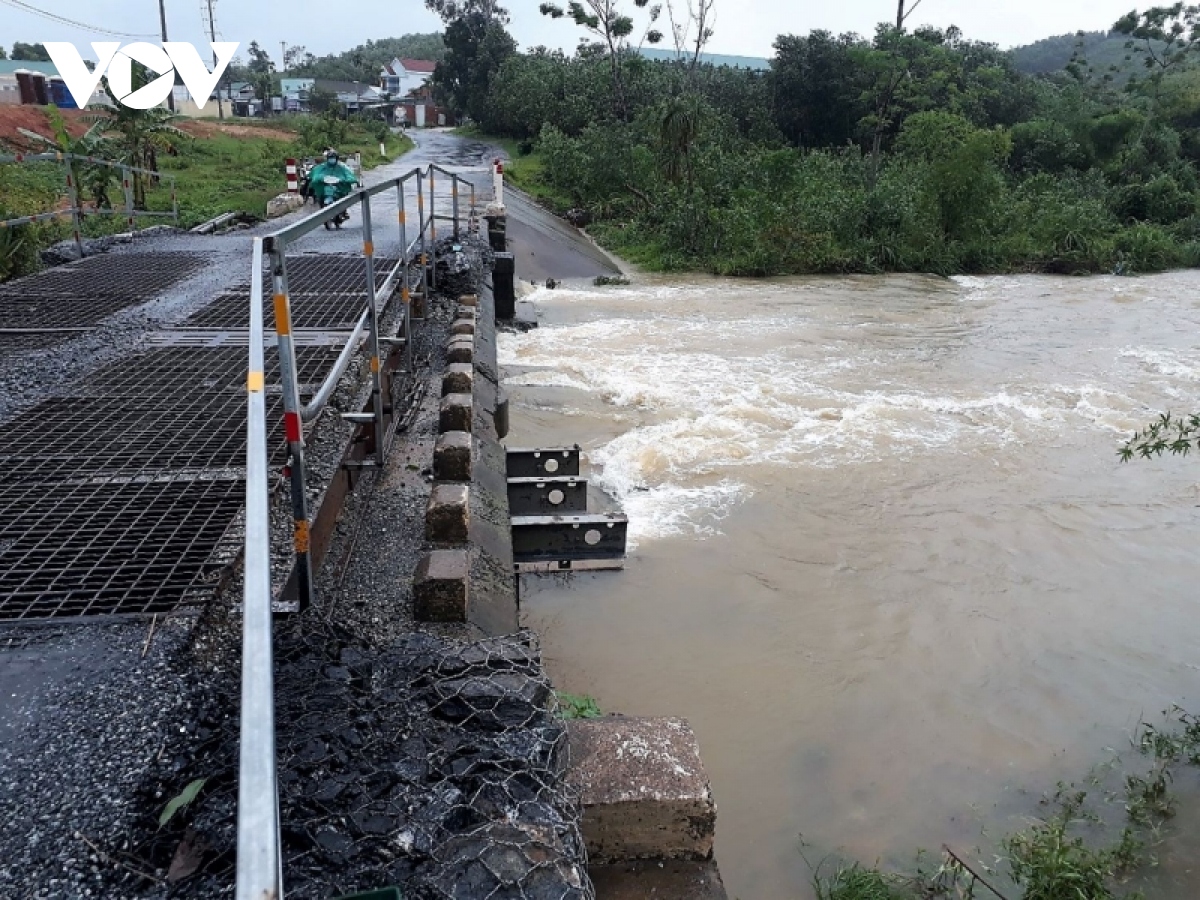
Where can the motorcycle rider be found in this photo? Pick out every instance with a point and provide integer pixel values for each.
(331, 181)
(332, 167)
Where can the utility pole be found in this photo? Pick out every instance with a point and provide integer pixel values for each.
(162, 15)
(283, 57)
(902, 14)
(212, 36)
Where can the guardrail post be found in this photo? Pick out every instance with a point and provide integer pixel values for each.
(373, 335)
(73, 194)
(127, 184)
(405, 299)
(424, 247)
(259, 861)
(432, 229)
(471, 216)
(454, 190)
(293, 425)
(175, 199)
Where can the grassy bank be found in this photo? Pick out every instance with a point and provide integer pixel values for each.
(231, 166)
(219, 171)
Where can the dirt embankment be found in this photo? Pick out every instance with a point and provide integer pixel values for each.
(204, 129)
(34, 118)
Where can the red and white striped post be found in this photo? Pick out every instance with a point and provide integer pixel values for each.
(498, 181)
(292, 177)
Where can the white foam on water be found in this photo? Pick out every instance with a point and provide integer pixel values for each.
(707, 397)
(1171, 363)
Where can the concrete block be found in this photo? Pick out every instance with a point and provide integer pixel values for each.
(452, 456)
(461, 350)
(644, 789)
(466, 312)
(440, 586)
(448, 515)
(468, 300)
(455, 413)
(671, 879)
(458, 379)
(463, 326)
(505, 264)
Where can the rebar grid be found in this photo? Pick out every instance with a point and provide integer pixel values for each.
(330, 310)
(81, 437)
(49, 312)
(133, 275)
(83, 548)
(38, 340)
(159, 373)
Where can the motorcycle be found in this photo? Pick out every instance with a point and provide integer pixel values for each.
(332, 189)
(304, 176)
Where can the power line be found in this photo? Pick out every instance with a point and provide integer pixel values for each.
(62, 20)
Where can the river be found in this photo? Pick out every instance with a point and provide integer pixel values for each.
(885, 558)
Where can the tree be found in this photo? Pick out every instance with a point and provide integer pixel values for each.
(1164, 36)
(93, 177)
(294, 55)
(816, 87)
(138, 134)
(1170, 434)
(266, 85)
(606, 20)
(365, 62)
(3, 53)
(260, 59)
(321, 100)
(475, 52)
(31, 52)
(683, 16)
(476, 14)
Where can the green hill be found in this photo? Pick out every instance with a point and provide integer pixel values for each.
(1102, 50)
(365, 61)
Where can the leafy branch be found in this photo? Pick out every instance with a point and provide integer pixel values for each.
(1170, 434)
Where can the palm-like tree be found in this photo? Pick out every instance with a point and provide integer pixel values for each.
(96, 179)
(139, 134)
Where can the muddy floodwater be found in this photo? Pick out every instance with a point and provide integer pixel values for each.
(885, 557)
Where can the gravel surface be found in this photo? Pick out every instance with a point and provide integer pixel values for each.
(95, 739)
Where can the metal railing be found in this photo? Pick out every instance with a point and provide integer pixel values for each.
(76, 211)
(259, 856)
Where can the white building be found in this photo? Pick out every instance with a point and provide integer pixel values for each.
(401, 77)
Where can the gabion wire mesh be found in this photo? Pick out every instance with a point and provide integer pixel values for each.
(436, 766)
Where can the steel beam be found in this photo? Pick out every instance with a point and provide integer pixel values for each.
(562, 538)
(546, 496)
(543, 463)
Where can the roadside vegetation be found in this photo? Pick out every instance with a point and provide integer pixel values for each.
(911, 150)
(1094, 841)
(231, 166)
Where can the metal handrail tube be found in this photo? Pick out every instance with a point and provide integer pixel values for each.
(317, 404)
(259, 851)
(31, 157)
(373, 334)
(259, 863)
(304, 226)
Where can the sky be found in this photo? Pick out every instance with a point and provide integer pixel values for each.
(743, 27)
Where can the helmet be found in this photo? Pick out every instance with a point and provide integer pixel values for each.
(331, 156)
